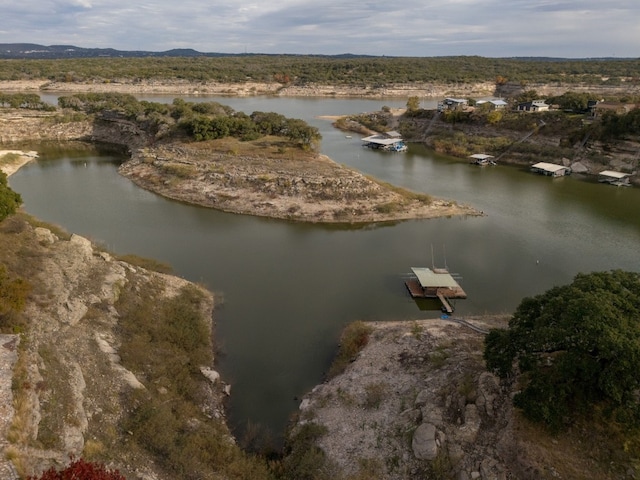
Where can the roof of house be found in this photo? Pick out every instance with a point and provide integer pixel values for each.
(549, 167)
(613, 174)
(534, 103)
(480, 156)
(429, 278)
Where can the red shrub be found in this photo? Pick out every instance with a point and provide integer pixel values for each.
(80, 470)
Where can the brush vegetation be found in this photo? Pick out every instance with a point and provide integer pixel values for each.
(335, 70)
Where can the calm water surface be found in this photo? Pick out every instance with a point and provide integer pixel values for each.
(289, 288)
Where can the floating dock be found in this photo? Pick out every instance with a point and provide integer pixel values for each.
(434, 283)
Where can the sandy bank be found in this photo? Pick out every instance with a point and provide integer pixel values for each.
(9, 167)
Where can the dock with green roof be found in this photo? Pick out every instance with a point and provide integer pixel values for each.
(434, 283)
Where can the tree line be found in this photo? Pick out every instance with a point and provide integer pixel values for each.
(343, 71)
(200, 121)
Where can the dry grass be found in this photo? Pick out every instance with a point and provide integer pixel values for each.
(173, 426)
(594, 449)
(9, 159)
(271, 147)
(354, 338)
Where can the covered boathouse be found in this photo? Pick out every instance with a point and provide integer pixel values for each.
(388, 141)
(482, 159)
(551, 169)
(434, 283)
(614, 178)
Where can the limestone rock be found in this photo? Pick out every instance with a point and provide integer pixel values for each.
(424, 442)
(210, 374)
(83, 244)
(44, 235)
(488, 390)
(469, 430)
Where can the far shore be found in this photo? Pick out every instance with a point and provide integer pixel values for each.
(249, 88)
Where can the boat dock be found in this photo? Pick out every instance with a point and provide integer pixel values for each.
(611, 177)
(389, 141)
(434, 283)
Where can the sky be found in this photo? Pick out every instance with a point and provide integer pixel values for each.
(423, 28)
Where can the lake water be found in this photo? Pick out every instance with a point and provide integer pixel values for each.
(289, 289)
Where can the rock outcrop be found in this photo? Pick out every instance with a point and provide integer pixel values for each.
(417, 403)
(69, 378)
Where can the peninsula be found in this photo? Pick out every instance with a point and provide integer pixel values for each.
(263, 164)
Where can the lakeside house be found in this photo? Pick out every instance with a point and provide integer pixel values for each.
(453, 104)
(533, 106)
(494, 104)
(615, 107)
(550, 169)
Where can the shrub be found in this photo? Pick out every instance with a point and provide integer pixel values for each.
(13, 297)
(354, 338)
(9, 200)
(80, 470)
(304, 460)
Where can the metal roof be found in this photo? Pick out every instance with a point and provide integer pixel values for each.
(429, 278)
(549, 167)
(613, 174)
(480, 156)
(381, 140)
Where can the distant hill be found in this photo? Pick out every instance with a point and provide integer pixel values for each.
(35, 51)
(32, 50)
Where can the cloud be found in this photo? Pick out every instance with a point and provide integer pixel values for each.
(375, 27)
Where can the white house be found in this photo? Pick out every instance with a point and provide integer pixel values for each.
(534, 106)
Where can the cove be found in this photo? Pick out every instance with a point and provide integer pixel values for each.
(288, 289)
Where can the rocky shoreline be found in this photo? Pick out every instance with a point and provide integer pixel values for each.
(67, 375)
(249, 88)
(314, 190)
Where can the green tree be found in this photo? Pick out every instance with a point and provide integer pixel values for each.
(527, 96)
(573, 101)
(9, 200)
(494, 117)
(413, 104)
(299, 131)
(574, 347)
